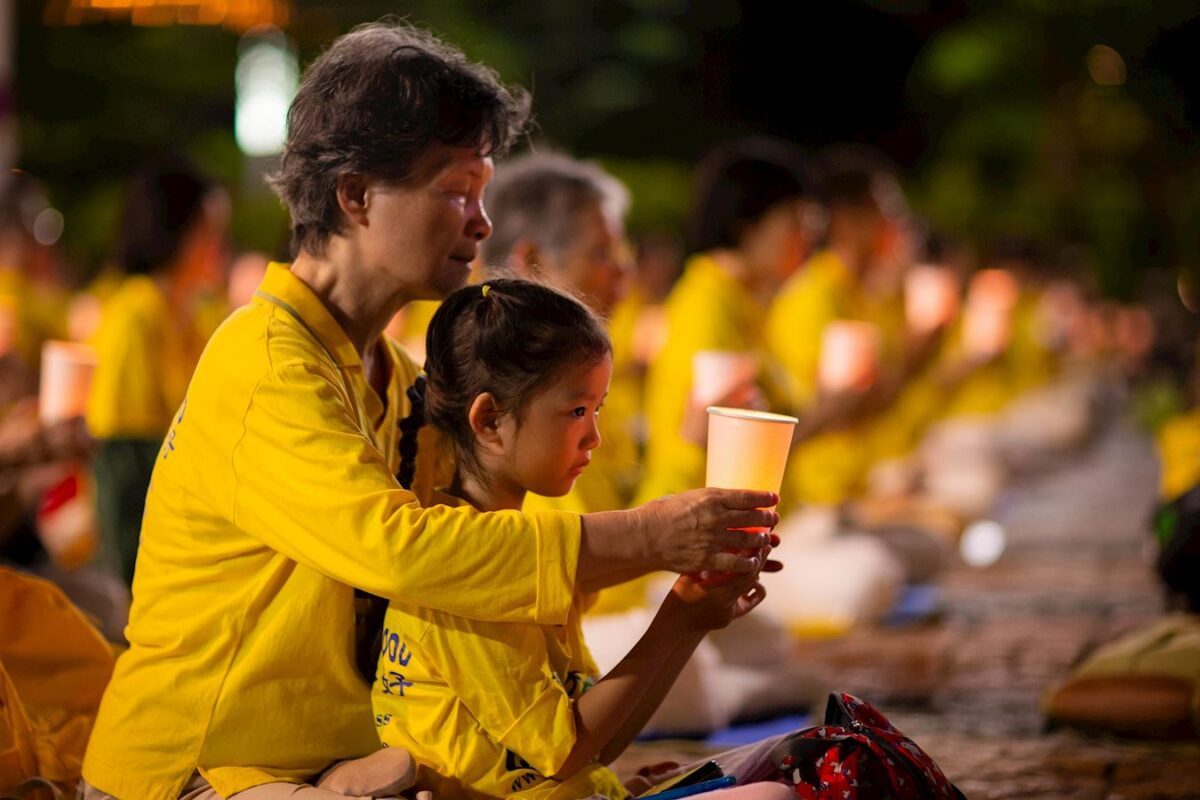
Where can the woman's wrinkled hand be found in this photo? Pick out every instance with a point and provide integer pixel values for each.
(691, 531)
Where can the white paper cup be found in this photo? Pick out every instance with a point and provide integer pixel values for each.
(849, 356)
(716, 373)
(747, 449)
(67, 369)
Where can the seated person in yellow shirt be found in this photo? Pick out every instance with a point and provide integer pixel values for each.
(518, 374)
(171, 244)
(562, 221)
(275, 493)
(748, 235)
(856, 276)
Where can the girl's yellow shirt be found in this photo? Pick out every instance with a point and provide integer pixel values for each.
(273, 496)
(486, 708)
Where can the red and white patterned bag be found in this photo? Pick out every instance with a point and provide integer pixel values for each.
(859, 755)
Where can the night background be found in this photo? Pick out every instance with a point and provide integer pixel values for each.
(989, 482)
(1071, 126)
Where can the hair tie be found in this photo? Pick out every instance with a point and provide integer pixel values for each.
(484, 289)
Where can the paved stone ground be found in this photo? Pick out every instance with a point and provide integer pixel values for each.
(966, 688)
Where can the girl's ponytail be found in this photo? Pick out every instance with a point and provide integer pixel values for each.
(410, 426)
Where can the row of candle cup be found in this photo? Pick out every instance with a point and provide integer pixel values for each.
(746, 449)
(749, 449)
(850, 350)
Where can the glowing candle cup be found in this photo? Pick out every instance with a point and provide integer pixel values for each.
(67, 369)
(930, 297)
(987, 322)
(716, 373)
(747, 449)
(849, 356)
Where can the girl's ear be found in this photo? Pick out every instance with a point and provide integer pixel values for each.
(484, 418)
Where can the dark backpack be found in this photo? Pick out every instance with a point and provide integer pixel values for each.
(858, 755)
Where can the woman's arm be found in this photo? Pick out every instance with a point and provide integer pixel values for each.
(340, 511)
(687, 532)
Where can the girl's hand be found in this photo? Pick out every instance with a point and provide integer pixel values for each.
(709, 601)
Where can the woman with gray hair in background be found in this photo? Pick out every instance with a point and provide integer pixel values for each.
(562, 221)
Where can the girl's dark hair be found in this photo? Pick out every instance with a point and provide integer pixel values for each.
(738, 183)
(372, 104)
(508, 338)
(164, 198)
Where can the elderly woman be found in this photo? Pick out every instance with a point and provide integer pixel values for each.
(275, 497)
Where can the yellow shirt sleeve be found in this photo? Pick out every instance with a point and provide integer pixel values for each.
(312, 487)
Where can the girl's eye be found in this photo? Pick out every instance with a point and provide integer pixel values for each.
(579, 412)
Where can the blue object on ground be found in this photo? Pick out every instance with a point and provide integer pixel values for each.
(737, 735)
(918, 602)
(696, 788)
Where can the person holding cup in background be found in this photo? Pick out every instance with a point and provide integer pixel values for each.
(850, 279)
(749, 233)
(171, 245)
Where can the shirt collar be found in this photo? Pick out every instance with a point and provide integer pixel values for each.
(279, 283)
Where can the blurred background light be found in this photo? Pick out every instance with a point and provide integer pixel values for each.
(238, 15)
(267, 75)
(48, 226)
(983, 543)
(1106, 66)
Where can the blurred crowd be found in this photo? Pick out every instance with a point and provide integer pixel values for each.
(923, 373)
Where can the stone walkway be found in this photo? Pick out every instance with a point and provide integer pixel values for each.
(966, 688)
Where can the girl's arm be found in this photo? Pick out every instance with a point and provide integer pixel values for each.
(613, 710)
(669, 670)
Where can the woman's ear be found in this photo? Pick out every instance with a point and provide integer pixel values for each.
(523, 259)
(484, 418)
(352, 197)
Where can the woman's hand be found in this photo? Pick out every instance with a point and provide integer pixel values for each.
(690, 532)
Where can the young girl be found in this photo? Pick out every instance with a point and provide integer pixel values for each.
(517, 374)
